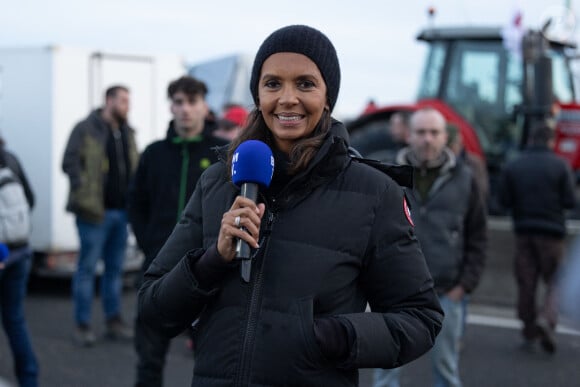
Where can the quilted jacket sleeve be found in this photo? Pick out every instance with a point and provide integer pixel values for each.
(406, 315)
(170, 298)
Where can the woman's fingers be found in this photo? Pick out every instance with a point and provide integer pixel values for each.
(242, 221)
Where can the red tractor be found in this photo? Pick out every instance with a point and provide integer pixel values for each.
(492, 94)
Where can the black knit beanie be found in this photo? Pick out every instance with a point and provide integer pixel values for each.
(303, 40)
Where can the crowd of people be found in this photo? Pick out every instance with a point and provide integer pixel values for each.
(412, 246)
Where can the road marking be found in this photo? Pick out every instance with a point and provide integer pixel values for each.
(510, 323)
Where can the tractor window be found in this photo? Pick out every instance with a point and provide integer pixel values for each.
(476, 88)
(474, 77)
(561, 80)
(429, 87)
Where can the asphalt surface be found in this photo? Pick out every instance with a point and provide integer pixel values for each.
(491, 356)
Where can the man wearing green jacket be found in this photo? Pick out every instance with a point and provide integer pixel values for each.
(100, 159)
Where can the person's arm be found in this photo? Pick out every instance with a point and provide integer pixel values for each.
(71, 162)
(474, 241)
(406, 315)
(504, 187)
(480, 174)
(138, 207)
(567, 188)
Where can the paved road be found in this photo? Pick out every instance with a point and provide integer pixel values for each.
(490, 357)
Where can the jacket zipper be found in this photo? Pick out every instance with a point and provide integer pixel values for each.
(253, 310)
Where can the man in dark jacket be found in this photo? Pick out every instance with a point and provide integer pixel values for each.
(538, 186)
(99, 159)
(450, 220)
(166, 176)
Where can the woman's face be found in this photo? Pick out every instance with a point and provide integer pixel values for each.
(292, 97)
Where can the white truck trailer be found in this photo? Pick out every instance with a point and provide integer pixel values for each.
(44, 92)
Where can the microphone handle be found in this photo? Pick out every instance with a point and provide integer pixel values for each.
(250, 191)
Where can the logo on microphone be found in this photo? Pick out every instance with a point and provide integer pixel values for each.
(272, 164)
(234, 161)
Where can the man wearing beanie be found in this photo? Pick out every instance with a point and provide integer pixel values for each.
(299, 317)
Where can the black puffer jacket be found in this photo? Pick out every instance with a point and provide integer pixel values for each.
(336, 238)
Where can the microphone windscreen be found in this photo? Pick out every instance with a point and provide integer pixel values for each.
(253, 162)
(4, 252)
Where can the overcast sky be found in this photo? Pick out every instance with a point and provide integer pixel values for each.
(375, 40)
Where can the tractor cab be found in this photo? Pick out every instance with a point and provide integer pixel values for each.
(496, 92)
(493, 96)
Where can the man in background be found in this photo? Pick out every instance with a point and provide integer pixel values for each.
(389, 141)
(99, 159)
(538, 186)
(450, 221)
(17, 200)
(165, 179)
(399, 129)
(232, 121)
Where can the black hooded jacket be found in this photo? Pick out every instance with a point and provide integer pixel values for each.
(334, 239)
(167, 169)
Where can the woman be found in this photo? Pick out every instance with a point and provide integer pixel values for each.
(330, 235)
(14, 272)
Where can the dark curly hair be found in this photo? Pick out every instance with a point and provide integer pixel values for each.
(190, 86)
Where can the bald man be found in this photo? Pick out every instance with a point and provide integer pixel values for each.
(450, 221)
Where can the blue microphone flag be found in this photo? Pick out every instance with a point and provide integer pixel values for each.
(252, 162)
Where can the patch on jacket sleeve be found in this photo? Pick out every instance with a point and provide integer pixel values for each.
(407, 211)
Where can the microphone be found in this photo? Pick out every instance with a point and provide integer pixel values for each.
(252, 168)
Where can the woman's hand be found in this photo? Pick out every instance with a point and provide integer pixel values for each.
(243, 213)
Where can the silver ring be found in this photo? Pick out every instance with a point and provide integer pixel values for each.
(237, 221)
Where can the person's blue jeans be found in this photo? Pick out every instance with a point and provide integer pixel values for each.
(106, 241)
(444, 354)
(13, 284)
(387, 378)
